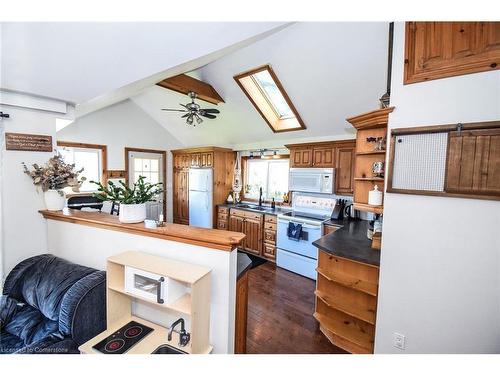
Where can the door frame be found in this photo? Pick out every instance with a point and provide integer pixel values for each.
(128, 150)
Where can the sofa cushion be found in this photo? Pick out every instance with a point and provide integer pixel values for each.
(30, 326)
(44, 283)
(9, 343)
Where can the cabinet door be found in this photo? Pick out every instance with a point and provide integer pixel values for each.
(300, 157)
(344, 173)
(443, 49)
(236, 225)
(323, 157)
(195, 160)
(176, 196)
(253, 231)
(473, 162)
(185, 195)
(207, 159)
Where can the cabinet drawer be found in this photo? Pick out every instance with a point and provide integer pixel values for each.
(222, 216)
(223, 210)
(253, 216)
(270, 219)
(222, 224)
(269, 251)
(239, 213)
(270, 226)
(270, 236)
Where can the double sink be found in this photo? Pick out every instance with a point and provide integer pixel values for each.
(254, 207)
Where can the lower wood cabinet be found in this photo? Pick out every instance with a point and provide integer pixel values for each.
(259, 229)
(346, 302)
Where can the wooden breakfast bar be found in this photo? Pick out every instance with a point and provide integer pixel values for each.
(91, 238)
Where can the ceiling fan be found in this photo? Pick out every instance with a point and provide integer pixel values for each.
(194, 112)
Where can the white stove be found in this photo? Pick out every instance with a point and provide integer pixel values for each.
(299, 255)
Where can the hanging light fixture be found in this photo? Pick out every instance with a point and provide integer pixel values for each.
(275, 155)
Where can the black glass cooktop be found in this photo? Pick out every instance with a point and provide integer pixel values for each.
(123, 339)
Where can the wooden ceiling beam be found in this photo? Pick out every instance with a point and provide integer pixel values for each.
(184, 84)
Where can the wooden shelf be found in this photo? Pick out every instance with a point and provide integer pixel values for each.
(371, 153)
(182, 304)
(346, 331)
(350, 282)
(344, 343)
(381, 179)
(349, 309)
(369, 208)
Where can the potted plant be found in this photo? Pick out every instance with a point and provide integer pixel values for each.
(132, 199)
(52, 178)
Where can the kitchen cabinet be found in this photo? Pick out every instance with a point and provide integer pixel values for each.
(473, 162)
(346, 302)
(253, 231)
(336, 154)
(300, 157)
(223, 218)
(323, 157)
(436, 50)
(270, 232)
(220, 159)
(344, 164)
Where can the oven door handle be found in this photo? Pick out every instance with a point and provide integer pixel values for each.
(159, 290)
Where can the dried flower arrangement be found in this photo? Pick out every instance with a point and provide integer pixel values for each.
(141, 192)
(55, 175)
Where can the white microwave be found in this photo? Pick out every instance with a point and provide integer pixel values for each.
(312, 180)
(151, 286)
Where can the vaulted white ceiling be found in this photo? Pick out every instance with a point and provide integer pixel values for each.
(330, 71)
(81, 61)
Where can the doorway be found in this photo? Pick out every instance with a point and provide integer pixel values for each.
(152, 164)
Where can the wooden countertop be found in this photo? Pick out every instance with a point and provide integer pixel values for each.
(211, 238)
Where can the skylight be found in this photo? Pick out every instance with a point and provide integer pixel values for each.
(266, 93)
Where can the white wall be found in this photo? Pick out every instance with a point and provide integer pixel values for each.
(24, 231)
(123, 125)
(440, 260)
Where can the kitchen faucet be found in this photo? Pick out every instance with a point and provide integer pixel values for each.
(184, 336)
(260, 196)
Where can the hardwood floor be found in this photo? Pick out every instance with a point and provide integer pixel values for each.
(280, 314)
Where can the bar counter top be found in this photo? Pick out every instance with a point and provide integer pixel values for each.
(211, 238)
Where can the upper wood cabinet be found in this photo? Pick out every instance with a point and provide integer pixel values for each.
(344, 175)
(444, 49)
(323, 157)
(336, 154)
(473, 165)
(300, 157)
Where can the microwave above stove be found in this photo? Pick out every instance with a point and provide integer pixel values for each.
(312, 180)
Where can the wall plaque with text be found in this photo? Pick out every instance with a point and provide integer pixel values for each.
(28, 142)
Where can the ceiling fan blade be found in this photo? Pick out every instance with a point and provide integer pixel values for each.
(186, 115)
(173, 110)
(210, 110)
(208, 115)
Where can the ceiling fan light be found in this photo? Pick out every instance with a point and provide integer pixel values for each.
(199, 120)
(189, 120)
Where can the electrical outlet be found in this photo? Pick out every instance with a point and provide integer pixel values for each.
(399, 341)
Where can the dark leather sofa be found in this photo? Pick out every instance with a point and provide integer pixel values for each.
(50, 305)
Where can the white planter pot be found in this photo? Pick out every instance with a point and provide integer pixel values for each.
(132, 213)
(54, 200)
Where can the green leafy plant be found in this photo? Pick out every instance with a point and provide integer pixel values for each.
(140, 192)
(55, 175)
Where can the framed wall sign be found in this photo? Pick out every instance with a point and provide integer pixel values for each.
(28, 142)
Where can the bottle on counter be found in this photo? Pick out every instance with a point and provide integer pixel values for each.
(273, 204)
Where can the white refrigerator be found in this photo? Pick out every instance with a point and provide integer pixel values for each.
(200, 197)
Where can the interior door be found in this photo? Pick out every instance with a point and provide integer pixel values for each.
(149, 165)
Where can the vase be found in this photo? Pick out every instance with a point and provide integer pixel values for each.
(132, 213)
(55, 200)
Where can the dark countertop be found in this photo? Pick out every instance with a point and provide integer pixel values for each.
(269, 211)
(244, 264)
(349, 242)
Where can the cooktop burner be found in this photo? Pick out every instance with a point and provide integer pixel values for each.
(122, 340)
